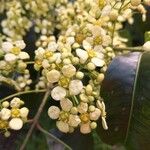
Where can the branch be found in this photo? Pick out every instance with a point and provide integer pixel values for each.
(132, 49)
(10, 82)
(22, 93)
(35, 120)
(53, 137)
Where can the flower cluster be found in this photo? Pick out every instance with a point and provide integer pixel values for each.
(12, 115)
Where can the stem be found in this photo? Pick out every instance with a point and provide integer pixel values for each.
(10, 82)
(22, 93)
(35, 120)
(132, 49)
(53, 137)
(30, 62)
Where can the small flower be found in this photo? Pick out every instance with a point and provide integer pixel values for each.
(53, 76)
(16, 124)
(53, 112)
(62, 126)
(75, 87)
(68, 70)
(66, 104)
(58, 93)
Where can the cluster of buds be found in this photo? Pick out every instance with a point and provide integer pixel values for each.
(12, 57)
(12, 115)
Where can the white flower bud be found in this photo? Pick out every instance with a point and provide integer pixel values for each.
(104, 124)
(53, 76)
(53, 112)
(24, 112)
(5, 114)
(91, 66)
(74, 120)
(75, 87)
(58, 93)
(100, 77)
(62, 126)
(79, 75)
(23, 55)
(113, 15)
(85, 128)
(66, 104)
(91, 108)
(68, 70)
(5, 104)
(93, 125)
(83, 98)
(88, 89)
(74, 110)
(16, 123)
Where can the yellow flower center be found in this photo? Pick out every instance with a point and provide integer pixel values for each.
(15, 50)
(48, 54)
(38, 62)
(15, 112)
(64, 116)
(64, 82)
(3, 124)
(91, 53)
(101, 3)
(79, 38)
(85, 117)
(97, 40)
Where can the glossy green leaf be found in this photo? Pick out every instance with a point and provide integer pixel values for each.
(126, 92)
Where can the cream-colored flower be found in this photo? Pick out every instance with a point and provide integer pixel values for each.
(85, 128)
(95, 114)
(52, 46)
(69, 70)
(62, 126)
(75, 87)
(53, 76)
(45, 63)
(5, 104)
(24, 112)
(5, 114)
(58, 93)
(66, 104)
(82, 107)
(16, 124)
(74, 120)
(53, 112)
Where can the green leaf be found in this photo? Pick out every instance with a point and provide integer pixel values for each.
(147, 36)
(125, 90)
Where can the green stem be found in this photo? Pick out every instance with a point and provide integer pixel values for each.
(53, 137)
(30, 62)
(35, 120)
(22, 93)
(133, 49)
(10, 82)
